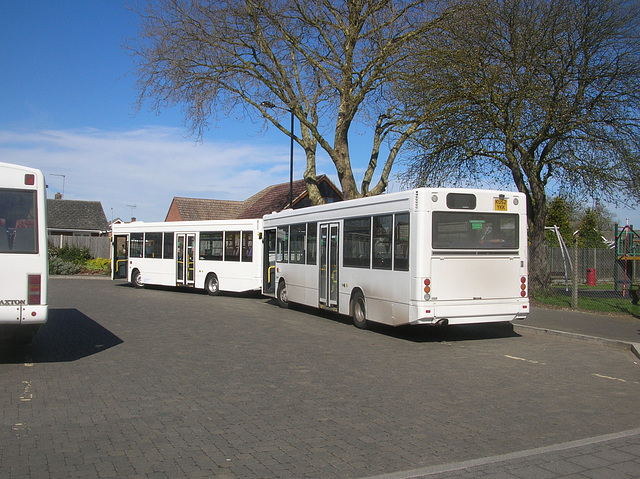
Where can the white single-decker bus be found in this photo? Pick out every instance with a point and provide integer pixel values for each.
(425, 256)
(24, 269)
(215, 255)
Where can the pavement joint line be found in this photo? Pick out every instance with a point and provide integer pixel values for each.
(457, 466)
(629, 346)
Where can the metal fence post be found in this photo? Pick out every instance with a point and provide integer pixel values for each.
(574, 291)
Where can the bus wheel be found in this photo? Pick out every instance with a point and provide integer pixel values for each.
(212, 285)
(136, 279)
(358, 311)
(283, 302)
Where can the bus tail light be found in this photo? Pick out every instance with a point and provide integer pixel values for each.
(29, 179)
(427, 289)
(523, 286)
(35, 288)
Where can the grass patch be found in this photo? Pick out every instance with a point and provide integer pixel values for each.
(589, 301)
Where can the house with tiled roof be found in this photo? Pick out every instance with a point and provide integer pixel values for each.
(76, 218)
(194, 209)
(272, 198)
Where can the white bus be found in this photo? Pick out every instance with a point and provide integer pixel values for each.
(211, 255)
(24, 269)
(424, 256)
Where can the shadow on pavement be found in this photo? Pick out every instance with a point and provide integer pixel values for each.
(434, 334)
(420, 333)
(68, 335)
(189, 290)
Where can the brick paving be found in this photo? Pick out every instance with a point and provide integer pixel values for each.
(161, 383)
(610, 456)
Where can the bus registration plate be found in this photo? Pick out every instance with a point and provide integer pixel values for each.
(500, 205)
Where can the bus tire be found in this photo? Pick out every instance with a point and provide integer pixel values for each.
(212, 285)
(136, 279)
(283, 301)
(358, 311)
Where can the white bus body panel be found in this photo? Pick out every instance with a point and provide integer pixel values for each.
(14, 293)
(15, 268)
(466, 288)
(233, 276)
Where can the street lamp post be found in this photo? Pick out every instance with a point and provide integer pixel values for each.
(268, 104)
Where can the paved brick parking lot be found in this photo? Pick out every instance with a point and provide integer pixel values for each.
(163, 383)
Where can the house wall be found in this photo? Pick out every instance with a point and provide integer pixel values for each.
(173, 213)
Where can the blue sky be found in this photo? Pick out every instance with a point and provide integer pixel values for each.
(67, 108)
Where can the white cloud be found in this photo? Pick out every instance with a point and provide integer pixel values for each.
(145, 167)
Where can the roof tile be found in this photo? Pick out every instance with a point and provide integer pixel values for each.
(76, 215)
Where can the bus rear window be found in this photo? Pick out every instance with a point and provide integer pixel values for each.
(474, 231)
(18, 221)
(461, 201)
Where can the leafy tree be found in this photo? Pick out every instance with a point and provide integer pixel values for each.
(543, 94)
(560, 214)
(589, 235)
(326, 62)
(603, 217)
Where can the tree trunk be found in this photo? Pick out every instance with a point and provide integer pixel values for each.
(538, 251)
(343, 163)
(310, 178)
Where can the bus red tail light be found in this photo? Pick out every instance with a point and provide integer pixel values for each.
(35, 288)
(523, 286)
(29, 179)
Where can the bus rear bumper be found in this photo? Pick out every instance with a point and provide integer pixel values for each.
(469, 312)
(23, 314)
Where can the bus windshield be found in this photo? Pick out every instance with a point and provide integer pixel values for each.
(474, 231)
(18, 221)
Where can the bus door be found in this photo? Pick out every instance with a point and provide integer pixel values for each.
(328, 264)
(269, 262)
(185, 259)
(120, 257)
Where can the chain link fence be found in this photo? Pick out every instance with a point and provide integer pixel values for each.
(592, 277)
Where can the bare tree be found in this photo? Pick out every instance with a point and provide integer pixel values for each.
(327, 62)
(540, 93)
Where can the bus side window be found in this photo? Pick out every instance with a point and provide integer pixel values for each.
(168, 245)
(382, 238)
(357, 242)
(232, 246)
(247, 246)
(401, 242)
(283, 244)
(297, 243)
(153, 245)
(136, 241)
(312, 242)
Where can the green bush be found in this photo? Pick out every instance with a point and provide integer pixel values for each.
(99, 265)
(75, 260)
(74, 254)
(60, 266)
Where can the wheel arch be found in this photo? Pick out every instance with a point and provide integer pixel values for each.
(133, 274)
(210, 275)
(356, 290)
(282, 284)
